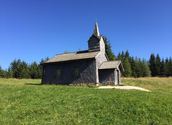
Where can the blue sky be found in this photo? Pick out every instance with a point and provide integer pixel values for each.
(35, 29)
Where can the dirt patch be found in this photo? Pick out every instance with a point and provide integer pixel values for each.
(124, 88)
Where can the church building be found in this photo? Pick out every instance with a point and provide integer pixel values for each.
(87, 66)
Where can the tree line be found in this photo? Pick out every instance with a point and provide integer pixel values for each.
(20, 69)
(160, 67)
(137, 67)
(133, 67)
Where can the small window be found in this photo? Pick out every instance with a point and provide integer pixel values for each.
(76, 72)
(58, 73)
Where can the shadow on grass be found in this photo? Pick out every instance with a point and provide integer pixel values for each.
(33, 84)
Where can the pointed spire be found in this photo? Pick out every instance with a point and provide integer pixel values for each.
(96, 30)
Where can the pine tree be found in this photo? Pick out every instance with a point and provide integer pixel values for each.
(158, 65)
(163, 69)
(108, 49)
(1, 72)
(121, 56)
(170, 67)
(127, 55)
(152, 65)
(133, 67)
(138, 68)
(19, 69)
(125, 58)
(9, 73)
(24, 70)
(34, 71)
(145, 69)
(167, 67)
(127, 67)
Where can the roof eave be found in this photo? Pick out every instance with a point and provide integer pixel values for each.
(67, 60)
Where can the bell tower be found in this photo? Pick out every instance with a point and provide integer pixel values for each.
(96, 42)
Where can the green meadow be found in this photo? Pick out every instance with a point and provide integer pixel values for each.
(28, 102)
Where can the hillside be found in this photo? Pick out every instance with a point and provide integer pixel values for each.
(27, 102)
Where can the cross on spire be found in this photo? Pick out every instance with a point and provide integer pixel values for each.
(96, 30)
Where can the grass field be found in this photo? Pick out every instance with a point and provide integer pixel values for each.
(28, 102)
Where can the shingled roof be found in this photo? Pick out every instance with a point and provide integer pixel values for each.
(110, 65)
(72, 56)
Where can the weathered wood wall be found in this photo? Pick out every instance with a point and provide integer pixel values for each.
(99, 60)
(70, 72)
